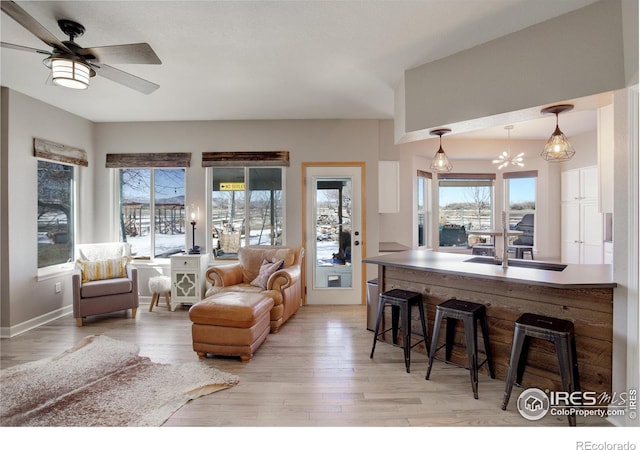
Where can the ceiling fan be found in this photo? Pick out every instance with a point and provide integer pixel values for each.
(72, 65)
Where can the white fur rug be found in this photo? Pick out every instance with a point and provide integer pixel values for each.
(102, 382)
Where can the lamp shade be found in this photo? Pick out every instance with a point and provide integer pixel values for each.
(440, 162)
(70, 73)
(558, 148)
(194, 212)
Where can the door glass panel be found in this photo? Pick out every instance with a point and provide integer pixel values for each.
(333, 220)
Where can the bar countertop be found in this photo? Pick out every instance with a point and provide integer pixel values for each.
(571, 277)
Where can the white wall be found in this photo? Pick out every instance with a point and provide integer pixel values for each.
(416, 155)
(306, 140)
(511, 73)
(626, 317)
(25, 298)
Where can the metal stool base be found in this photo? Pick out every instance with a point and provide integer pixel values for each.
(470, 313)
(401, 302)
(561, 333)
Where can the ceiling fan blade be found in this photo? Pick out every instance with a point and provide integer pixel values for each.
(23, 18)
(24, 49)
(141, 53)
(124, 78)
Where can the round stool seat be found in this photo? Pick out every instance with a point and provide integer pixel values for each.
(160, 285)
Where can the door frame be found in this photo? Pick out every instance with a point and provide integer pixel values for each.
(363, 212)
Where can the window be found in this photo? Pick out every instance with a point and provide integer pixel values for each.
(55, 213)
(152, 211)
(465, 203)
(521, 198)
(246, 208)
(423, 208)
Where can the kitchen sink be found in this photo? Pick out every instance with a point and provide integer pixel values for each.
(519, 263)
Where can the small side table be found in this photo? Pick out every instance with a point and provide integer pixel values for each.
(188, 282)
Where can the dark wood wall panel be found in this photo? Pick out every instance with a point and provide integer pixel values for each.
(591, 311)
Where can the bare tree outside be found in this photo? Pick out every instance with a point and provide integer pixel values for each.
(479, 199)
(165, 218)
(55, 213)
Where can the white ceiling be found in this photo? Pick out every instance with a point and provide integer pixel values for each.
(266, 59)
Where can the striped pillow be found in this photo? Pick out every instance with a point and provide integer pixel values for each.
(103, 269)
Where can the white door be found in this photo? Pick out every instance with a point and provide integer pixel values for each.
(334, 235)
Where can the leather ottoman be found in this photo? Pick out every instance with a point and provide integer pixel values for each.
(230, 324)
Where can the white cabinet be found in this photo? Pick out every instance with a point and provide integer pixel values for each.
(188, 283)
(608, 252)
(580, 185)
(581, 220)
(570, 220)
(388, 186)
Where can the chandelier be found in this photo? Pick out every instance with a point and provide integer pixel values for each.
(505, 158)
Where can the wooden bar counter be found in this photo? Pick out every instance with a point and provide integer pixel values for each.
(580, 293)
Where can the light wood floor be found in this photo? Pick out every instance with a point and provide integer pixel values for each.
(315, 372)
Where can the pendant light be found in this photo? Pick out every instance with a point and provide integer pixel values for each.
(505, 158)
(558, 148)
(440, 162)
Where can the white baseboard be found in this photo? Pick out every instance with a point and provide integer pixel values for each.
(9, 332)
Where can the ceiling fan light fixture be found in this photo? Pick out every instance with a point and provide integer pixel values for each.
(558, 148)
(440, 161)
(70, 73)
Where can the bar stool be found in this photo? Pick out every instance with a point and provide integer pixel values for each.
(558, 331)
(401, 303)
(470, 313)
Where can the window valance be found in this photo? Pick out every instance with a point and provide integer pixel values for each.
(467, 176)
(523, 174)
(245, 159)
(133, 160)
(466, 179)
(53, 151)
(422, 173)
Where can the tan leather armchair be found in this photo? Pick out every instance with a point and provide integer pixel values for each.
(101, 296)
(284, 286)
